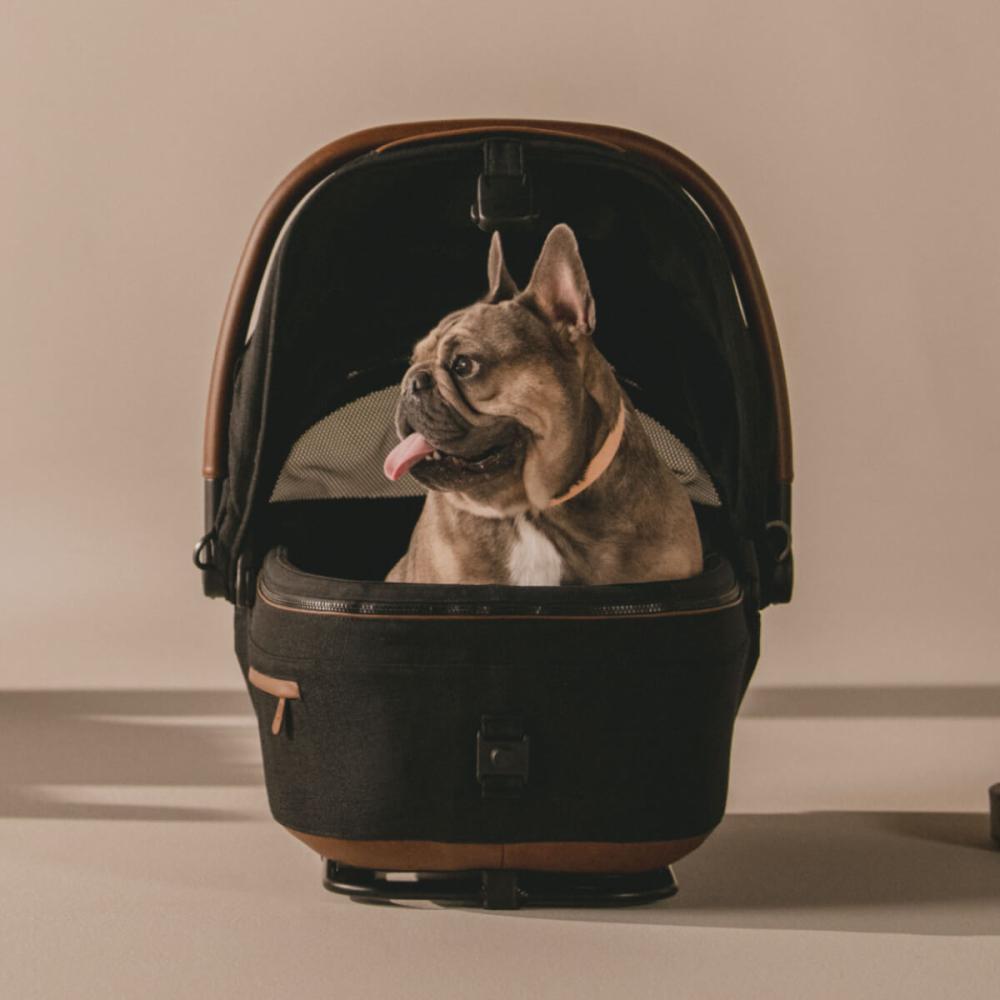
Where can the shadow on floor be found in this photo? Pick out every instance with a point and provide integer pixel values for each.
(52, 742)
(921, 873)
(888, 872)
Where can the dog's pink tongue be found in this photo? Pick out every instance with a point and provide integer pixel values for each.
(405, 455)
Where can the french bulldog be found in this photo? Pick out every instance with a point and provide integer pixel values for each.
(538, 469)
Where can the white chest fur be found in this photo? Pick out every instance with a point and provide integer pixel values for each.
(534, 561)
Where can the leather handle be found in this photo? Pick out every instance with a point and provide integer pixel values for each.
(706, 192)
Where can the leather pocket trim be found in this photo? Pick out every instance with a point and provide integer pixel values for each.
(273, 685)
(281, 689)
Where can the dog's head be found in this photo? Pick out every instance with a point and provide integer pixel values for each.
(495, 404)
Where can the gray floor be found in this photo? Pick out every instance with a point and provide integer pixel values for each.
(139, 860)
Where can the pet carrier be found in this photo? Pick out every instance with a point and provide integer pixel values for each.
(492, 744)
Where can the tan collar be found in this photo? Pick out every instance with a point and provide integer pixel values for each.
(598, 465)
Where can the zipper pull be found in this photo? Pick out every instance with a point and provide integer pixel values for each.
(279, 717)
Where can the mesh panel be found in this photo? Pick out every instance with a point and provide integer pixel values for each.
(340, 457)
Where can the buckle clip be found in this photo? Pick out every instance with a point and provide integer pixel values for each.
(502, 756)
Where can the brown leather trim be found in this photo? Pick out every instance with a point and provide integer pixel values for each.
(552, 856)
(476, 130)
(594, 856)
(291, 190)
(494, 618)
(272, 685)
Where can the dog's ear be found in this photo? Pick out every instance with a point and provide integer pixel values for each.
(501, 284)
(559, 289)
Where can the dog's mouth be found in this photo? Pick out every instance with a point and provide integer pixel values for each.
(416, 450)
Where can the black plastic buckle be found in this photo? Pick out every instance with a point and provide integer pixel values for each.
(779, 538)
(213, 584)
(504, 195)
(502, 751)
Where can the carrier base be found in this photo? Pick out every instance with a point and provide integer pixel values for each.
(500, 889)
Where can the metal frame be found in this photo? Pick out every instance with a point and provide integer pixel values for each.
(500, 889)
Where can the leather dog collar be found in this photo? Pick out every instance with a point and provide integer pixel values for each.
(598, 465)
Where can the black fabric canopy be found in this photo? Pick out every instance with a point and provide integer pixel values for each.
(385, 246)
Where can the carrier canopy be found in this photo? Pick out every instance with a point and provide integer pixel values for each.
(385, 246)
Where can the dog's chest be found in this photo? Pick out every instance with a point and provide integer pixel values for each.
(534, 560)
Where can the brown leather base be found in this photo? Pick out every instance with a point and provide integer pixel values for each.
(554, 856)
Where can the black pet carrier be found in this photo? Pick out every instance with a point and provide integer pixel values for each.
(494, 744)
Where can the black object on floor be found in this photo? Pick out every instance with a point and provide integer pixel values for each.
(995, 813)
(500, 889)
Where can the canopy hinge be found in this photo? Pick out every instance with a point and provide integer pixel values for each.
(504, 195)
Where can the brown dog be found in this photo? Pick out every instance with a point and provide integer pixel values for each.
(538, 469)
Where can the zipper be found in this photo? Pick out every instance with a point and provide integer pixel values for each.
(495, 609)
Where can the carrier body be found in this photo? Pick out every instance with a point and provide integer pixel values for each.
(580, 732)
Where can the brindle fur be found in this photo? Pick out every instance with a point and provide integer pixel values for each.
(547, 394)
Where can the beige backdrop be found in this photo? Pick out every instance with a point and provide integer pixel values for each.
(858, 140)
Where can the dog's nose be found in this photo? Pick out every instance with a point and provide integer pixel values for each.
(421, 381)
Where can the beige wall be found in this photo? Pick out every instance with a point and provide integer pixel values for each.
(859, 140)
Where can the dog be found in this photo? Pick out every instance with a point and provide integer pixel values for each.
(538, 469)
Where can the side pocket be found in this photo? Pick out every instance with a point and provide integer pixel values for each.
(281, 689)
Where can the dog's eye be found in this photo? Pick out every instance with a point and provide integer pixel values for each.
(462, 366)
